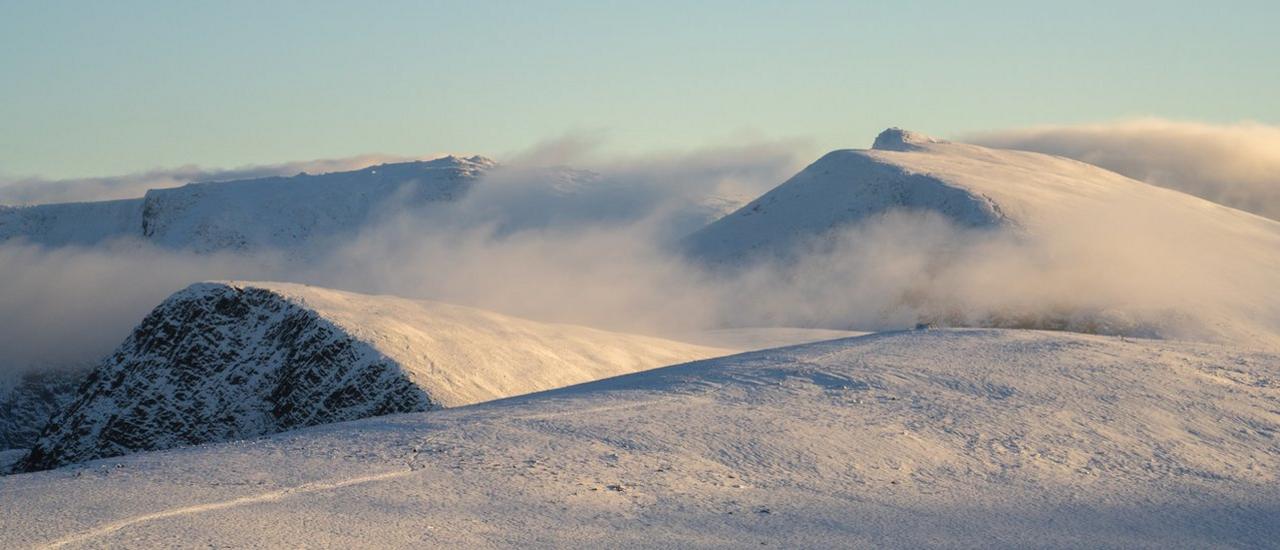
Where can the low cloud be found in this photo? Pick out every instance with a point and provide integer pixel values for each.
(1237, 165)
(549, 243)
(70, 306)
(597, 249)
(1124, 269)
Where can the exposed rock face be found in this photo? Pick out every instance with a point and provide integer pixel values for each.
(898, 139)
(217, 362)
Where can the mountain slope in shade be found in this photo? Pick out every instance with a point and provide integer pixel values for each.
(966, 438)
(222, 361)
(71, 224)
(28, 400)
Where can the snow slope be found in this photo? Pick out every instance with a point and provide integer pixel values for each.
(966, 438)
(290, 213)
(222, 361)
(969, 185)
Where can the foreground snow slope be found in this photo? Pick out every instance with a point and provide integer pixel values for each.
(976, 438)
(969, 185)
(222, 361)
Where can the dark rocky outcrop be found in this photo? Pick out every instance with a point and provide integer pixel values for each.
(217, 362)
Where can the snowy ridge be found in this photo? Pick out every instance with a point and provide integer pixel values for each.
(970, 438)
(294, 212)
(276, 212)
(303, 214)
(223, 361)
(839, 189)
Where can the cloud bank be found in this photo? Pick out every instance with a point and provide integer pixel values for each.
(1237, 165)
(528, 240)
(599, 249)
(70, 306)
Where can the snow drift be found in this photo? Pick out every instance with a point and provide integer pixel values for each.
(222, 361)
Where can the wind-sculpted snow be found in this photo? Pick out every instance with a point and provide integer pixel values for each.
(221, 361)
(968, 438)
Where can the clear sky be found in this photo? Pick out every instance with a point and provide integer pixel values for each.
(96, 88)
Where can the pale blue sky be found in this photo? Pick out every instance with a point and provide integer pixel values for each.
(95, 88)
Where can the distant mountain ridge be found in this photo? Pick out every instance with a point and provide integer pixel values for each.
(244, 215)
(992, 237)
(842, 188)
(300, 215)
(969, 185)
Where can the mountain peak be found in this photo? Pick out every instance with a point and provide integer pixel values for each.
(457, 160)
(898, 139)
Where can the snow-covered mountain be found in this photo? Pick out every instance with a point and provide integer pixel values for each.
(922, 230)
(304, 213)
(968, 438)
(222, 361)
(294, 212)
(288, 213)
(970, 186)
